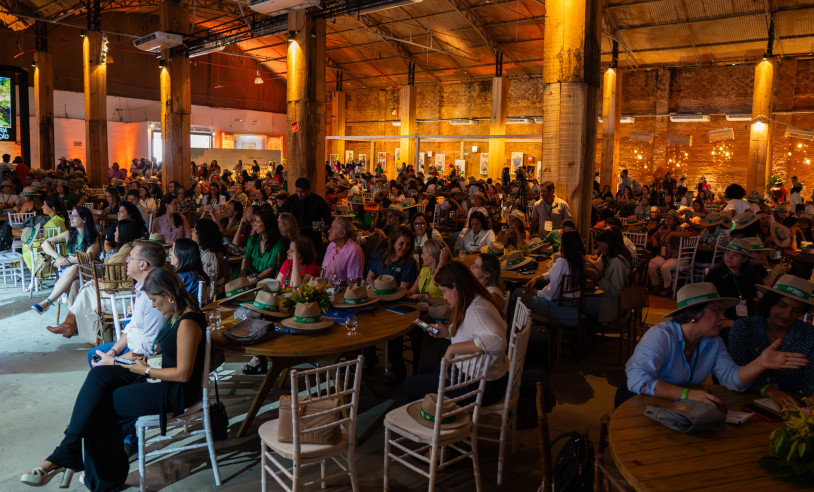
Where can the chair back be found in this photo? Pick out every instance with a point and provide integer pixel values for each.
(121, 307)
(150, 223)
(518, 343)
(571, 287)
(85, 261)
(342, 381)
(686, 251)
(522, 314)
(436, 216)
(464, 371)
(718, 252)
(638, 238)
(90, 205)
(16, 220)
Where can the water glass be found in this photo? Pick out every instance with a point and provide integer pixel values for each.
(350, 324)
(461, 255)
(214, 319)
(336, 282)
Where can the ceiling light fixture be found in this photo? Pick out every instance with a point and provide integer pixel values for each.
(258, 80)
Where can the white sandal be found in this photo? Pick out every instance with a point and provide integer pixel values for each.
(39, 477)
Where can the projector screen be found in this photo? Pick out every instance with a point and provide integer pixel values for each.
(8, 131)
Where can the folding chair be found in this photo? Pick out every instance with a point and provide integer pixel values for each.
(684, 261)
(699, 270)
(638, 238)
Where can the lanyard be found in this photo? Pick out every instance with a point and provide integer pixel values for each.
(737, 286)
(165, 330)
(423, 288)
(693, 362)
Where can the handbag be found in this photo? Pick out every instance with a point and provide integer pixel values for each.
(218, 420)
(250, 331)
(331, 435)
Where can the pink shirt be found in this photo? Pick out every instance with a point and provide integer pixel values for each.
(349, 262)
(312, 270)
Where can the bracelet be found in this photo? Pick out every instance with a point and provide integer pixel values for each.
(114, 352)
(685, 393)
(774, 273)
(763, 389)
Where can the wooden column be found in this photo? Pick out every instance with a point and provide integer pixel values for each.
(176, 100)
(338, 124)
(497, 126)
(408, 125)
(662, 127)
(44, 108)
(611, 113)
(759, 167)
(371, 158)
(571, 78)
(306, 100)
(95, 78)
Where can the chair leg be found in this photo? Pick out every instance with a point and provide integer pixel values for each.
(322, 473)
(140, 432)
(433, 467)
(476, 462)
(354, 482)
(213, 458)
(386, 485)
(502, 447)
(514, 430)
(263, 484)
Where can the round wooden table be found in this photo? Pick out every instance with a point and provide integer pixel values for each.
(510, 275)
(654, 458)
(286, 351)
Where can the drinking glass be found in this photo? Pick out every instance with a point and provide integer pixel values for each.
(350, 324)
(461, 255)
(354, 282)
(336, 281)
(214, 319)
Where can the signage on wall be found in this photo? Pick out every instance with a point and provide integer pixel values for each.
(8, 108)
(295, 126)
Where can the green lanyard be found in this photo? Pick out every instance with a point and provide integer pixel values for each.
(737, 286)
(423, 288)
(165, 330)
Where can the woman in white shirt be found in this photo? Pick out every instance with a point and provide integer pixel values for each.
(477, 235)
(422, 228)
(478, 205)
(214, 197)
(147, 202)
(476, 326)
(486, 269)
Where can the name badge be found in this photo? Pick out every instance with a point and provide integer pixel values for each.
(741, 310)
(548, 226)
(663, 251)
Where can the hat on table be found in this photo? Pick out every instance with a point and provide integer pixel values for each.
(307, 316)
(239, 289)
(342, 211)
(632, 221)
(317, 281)
(792, 287)
(495, 248)
(385, 288)
(266, 303)
(270, 285)
(699, 294)
(354, 297)
(423, 411)
(534, 243)
(514, 260)
(408, 203)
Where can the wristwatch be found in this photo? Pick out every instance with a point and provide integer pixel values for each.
(147, 371)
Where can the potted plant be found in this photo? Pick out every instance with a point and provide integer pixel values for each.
(793, 445)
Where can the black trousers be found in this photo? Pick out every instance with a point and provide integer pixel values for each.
(106, 409)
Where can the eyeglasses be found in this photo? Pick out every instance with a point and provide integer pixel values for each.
(422, 224)
(130, 258)
(716, 310)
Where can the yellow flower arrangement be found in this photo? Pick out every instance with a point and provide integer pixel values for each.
(793, 444)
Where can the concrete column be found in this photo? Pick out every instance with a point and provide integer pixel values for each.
(408, 126)
(95, 78)
(338, 124)
(611, 112)
(176, 100)
(44, 108)
(759, 167)
(497, 126)
(306, 100)
(571, 78)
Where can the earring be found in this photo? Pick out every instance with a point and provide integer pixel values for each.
(171, 300)
(693, 320)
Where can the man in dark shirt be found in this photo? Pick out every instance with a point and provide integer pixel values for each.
(308, 208)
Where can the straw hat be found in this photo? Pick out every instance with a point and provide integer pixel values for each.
(597, 202)
(266, 303)
(386, 289)
(344, 183)
(781, 235)
(342, 211)
(239, 289)
(395, 208)
(738, 245)
(455, 190)
(408, 203)
(755, 244)
(792, 287)
(30, 191)
(270, 285)
(514, 260)
(439, 313)
(308, 317)
(754, 196)
(632, 220)
(534, 243)
(780, 207)
(158, 238)
(674, 214)
(698, 294)
(423, 411)
(317, 281)
(7, 182)
(480, 195)
(494, 248)
(712, 219)
(746, 219)
(354, 297)
(517, 214)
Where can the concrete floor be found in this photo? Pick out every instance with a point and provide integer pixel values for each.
(40, 374)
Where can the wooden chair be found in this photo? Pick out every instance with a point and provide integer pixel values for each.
(109, 279)
(430, 441)
(341, 381)
(684, 261)
(506, 409)
(545, 439)
(606, 476)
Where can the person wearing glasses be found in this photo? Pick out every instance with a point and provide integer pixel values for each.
(422, 228)
(682, 352)
(80, 236)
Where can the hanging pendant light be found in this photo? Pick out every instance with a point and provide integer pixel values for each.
(258, 80)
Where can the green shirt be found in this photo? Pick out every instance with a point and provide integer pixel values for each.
(426, 284)
(363, 221)
(259, 263)
(554, 238)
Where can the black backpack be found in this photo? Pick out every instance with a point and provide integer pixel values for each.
(573, 471)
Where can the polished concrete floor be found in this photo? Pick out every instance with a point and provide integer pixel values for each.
(40, 374)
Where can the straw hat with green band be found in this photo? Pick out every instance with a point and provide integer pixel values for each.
(239, 289)
(354, 297)
(712, 219)
(385, 288)
(496, 248)
(739, 245)
(781, 235)
(632, 221)
(423, 412)
(697, 295)
(307, 317)
(534, 243)
(746, 219)
(268, 304)
(343, 211)
(792, 287)
(755, 244)
(514, 260)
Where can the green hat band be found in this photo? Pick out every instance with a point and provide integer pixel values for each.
(794, 291)
(496, 253)
(738, 249)
(265, 307)
(748, 221)
(514, 262)
(239, 290)
(307, 319)
(384, 292)
(431, 418)
(695, 300)
(361, 300)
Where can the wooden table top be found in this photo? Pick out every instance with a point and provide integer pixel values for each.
(373, 327)
(510, 275)
(654, 458)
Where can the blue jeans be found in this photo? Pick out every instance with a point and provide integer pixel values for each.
(104, 348)
(559, 315)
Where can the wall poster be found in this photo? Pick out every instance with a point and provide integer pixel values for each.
(397, 157)
(439, 163)
(484, 163)
(381, 159)
(334, 158)
(8, 130)
(461, 165)
(348, 156)
(517, 161)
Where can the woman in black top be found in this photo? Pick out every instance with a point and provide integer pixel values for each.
(114, 396)
(735, 277)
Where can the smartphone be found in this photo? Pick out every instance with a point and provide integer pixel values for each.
(761, 412)
(122, 360)
(426, 326)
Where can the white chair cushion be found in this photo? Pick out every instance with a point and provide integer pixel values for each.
(268, 434)
(399, 420)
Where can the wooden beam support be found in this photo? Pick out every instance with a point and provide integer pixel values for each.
(571, 78)
(95, 82)
(497, 126)
(44, 109)
(306, 101)
(408, 127)
(611, 113)
(662, 123)
(759, 168)
(176, 100)
(338, 103)
(378, 30)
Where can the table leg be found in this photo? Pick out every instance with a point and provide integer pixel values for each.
(277, 366)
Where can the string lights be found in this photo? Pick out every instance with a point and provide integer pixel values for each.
(723, 153)
(676, 157)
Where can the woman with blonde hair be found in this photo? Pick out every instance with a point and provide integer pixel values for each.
(434, 255)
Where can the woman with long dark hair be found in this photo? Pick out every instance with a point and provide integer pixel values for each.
(264, 250)
(233, 212)
(736, 278)
(213, 196)
(169, 222)
(614, 265)
(423, 230)
(486, 268)
(210, 241)
(113, 396)
(475, 326)
(112, 197)
(57, 218)
(185, 258)
(396, 260)
(80, 236)
(477, 235)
